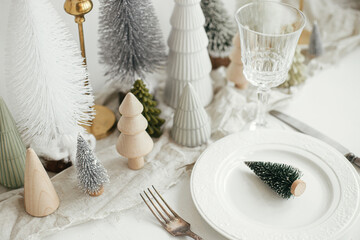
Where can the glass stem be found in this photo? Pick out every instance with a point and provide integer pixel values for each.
(263, 98)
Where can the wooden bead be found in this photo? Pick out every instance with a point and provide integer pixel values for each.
(298, 187)
(40, 196)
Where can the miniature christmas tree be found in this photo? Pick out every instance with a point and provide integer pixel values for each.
(315, 45)
(220, 29)
(91, 173)
(234, 72)
(283, 179)
(296, 74)
(188, 57)
(130, 42)
(40, 197)
(191, 126)
(134, 142)
(151, 112)
(12, 153)
(46, 81)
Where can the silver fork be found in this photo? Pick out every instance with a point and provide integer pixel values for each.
(173, 223)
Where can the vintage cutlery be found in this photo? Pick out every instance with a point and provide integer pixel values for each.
(303, 128)
(173, 223)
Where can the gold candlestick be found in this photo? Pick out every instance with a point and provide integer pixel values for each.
(104, 121)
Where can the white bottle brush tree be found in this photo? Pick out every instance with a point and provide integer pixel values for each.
(46, 78)
(188, 60)
(131, 42)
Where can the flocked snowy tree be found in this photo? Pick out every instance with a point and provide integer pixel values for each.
(296, 74)
(46, 79)
(91, 173)
(188, 60)
(131, 43)
(219, 26)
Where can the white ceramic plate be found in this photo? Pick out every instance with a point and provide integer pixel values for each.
(237, 204)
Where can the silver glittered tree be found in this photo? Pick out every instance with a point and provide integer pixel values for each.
(131, 43)
(91, 173)
(315, 45)
(219, 27)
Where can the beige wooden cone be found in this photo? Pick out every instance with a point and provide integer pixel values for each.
(40, 196)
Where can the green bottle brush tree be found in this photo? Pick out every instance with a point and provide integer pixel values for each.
(283, 179)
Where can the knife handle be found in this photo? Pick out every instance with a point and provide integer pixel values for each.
(353, 159)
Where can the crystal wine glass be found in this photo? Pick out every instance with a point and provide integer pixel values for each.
(269, 32)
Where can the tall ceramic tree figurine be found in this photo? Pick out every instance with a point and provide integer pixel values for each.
(188, 57)
(131, 43)
(220, 29)
(191, 126)
(134, 142)
(47, 78)
(91, 173)
(12, 150)
(234, 73)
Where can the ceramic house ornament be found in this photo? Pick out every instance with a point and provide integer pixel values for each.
(134, 142)
(191, 126)
(188, 60)
(40, 196)
(12, 150)
(234, 72)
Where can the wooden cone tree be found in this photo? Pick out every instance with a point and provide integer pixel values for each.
(234, 72)
(134, 142)
(12, 150)
(40, 196)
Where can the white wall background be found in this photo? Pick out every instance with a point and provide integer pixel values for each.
(163, 10)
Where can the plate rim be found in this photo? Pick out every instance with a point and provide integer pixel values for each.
(341, 233)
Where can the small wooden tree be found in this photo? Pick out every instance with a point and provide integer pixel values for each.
(40, 197)
(134, 142)
(12, 150)
(234, 72)
(151, 112)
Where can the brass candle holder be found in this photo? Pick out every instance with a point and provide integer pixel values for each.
(104, 120)
(305, 35)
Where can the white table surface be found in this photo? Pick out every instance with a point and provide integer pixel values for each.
(329, 102)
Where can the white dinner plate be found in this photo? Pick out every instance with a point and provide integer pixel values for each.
(236, 203)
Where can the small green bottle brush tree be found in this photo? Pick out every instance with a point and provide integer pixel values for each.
(151, 112)
(283, 179)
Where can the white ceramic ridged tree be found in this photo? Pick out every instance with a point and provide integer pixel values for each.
(191, 126)
(188, 60)
(46, 76)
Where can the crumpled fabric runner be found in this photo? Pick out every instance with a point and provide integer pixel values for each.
(164, 167)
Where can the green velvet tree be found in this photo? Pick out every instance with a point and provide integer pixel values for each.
(151, 112)
(283, 179)
(12, 150)
(219, 26)
(296, 74)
